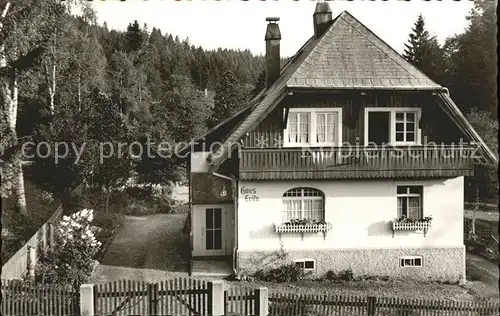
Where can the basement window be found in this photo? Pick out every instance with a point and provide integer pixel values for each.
(306, 264)
(411, 261)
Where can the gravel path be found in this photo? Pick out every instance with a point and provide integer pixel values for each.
(146, 248)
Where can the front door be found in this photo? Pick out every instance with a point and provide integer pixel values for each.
(214, 231)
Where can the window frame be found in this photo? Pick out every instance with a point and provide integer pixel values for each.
(407, 195)
(403, 259)
(304, 260)
(392, 121)
(312, 132)
(302, 198)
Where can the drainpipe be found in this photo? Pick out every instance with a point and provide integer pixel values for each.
(235, 197)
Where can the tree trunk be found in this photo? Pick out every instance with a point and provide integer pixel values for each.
(10, 94)
(476, 207)
(108, 197)
(18, 184)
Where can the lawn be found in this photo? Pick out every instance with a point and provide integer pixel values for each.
(482, 284)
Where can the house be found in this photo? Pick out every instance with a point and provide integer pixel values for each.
(350, 158)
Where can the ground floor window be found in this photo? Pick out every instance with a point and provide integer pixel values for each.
(306, 264)
(410, 201)
(303, 203)
(411, 261)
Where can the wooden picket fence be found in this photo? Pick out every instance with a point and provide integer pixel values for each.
(186, 296)
(180, 296)
(322, 305)
(241, 301)
(27, 299)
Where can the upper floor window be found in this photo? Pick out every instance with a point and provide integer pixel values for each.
(313, 126)
(303, 203)
(392, 126)
(410, 201)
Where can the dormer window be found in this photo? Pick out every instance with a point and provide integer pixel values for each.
(313, 127)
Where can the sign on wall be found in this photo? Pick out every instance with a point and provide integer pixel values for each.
(249, 194)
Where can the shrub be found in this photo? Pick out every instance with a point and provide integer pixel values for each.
(70, 261)
(17, 229)
(342, 276)
(164, 204)
(284, 273)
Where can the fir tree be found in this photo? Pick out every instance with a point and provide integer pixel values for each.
(424, 51)
(229, 98)
(260, 84)
(134, 37)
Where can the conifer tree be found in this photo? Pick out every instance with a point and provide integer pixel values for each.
(424, 51)
(229, 98)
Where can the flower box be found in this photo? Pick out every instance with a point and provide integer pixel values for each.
(303, 228)
(404, 224)
(411, 225)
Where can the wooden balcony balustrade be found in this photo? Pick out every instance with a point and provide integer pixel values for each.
(356, 162)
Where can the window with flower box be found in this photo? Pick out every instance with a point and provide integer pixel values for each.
(303, 203)
(410, 202)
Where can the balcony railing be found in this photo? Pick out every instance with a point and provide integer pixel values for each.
(356, 162)
(303, 228)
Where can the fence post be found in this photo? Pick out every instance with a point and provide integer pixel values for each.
(261, 301)
(153, 299)
(31, 257)
(371, 307)
(216, 298)
(51, 234)
(87, 300)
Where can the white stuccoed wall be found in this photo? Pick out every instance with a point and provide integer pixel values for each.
(360, 212)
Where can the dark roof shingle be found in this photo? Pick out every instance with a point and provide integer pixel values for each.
(350, 56)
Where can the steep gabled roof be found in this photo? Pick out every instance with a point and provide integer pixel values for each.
(349, 55)
(346, 56)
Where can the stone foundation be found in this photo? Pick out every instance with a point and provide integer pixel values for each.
(438, 264)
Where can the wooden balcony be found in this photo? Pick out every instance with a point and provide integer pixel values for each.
(356, 162)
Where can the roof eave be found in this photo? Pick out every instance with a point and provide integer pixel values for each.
(363, 88)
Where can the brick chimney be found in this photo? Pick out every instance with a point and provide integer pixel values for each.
(322, 17)
(273, 37)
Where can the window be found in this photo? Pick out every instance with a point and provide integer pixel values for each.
(393, 126)
(303, 203)
(310, 126)
(411, 261)
(410, 201)
(406, 129)
(306, 264)
(299, 128)
(326, 124)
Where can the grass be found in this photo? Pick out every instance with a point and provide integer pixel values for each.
(391, 288)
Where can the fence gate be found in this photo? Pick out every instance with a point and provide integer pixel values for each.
(241, 301)
(180, 296)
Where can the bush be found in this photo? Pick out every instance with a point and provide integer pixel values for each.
(108, 223)
(164, 204)
(139, 193)
(342, 276)
(16, 231)
(284, 273)
(71, 260)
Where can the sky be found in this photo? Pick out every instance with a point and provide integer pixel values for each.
(241, 25)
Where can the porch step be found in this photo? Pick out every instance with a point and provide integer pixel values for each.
(211, 268)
